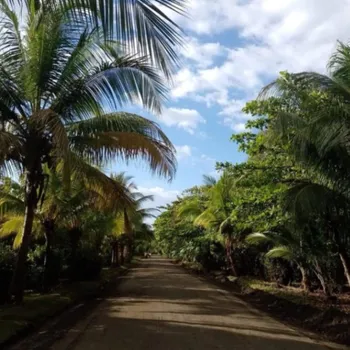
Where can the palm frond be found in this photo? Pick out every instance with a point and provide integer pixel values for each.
(124, 136)
(206, 219)
(257, 238)
(209, 180)
(190, 209)
(282, 252)
(113, 192)
(140, 24)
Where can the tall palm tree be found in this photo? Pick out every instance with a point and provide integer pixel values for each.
(62, 83)
(132, 214)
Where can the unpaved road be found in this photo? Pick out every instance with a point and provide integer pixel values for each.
(161, 307)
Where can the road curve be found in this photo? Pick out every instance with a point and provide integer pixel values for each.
(160, 306)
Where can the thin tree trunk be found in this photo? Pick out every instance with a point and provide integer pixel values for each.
(113, 258)
(130, 237)
(345, 260)
(121, 249)
(346, 264)
(321, 277)
(305, 280)
(229, 257)
(18, 279)
(49, 235)
(115, 254)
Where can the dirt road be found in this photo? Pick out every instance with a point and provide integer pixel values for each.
(161, 307)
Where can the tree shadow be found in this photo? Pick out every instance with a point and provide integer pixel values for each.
(113, 332)
(158, 306)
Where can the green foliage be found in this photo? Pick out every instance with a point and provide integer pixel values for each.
(87, 264)
(287, 206)
(7, 262)
(65, 77)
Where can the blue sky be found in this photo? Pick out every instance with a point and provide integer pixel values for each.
(233, 48)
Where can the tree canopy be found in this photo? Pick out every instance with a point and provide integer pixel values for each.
(288, 204)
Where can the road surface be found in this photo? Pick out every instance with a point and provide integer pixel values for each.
(159, 306)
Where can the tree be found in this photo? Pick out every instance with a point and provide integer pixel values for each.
(61, 83)
(217, 213)
(130, 215)
(59, 208)
(318, 132)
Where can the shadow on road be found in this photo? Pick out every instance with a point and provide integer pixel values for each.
(161, 307)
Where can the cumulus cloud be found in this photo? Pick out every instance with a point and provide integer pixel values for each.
(208, 159)
(184, 151)
(161, 196)
(294, 35)
(202, 54)
(183, 118)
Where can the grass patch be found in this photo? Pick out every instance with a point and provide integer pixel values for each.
(36, 309)
(39, 307)
(292, 294)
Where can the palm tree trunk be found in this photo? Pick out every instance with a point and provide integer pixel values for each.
(113, 258)
(121, 249)
(115, 254)
(18, 279)
(130, 237)
(229, 257)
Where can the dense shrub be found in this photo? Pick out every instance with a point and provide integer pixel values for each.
(7, 261)
(87, 265)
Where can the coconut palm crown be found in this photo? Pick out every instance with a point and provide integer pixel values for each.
(62, 85)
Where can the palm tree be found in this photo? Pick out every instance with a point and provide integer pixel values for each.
(318, 132)
(131, 215)
(309, 201)
(305, 247)
(217, 213)
(58, 208)
(143, 26)
(288, 245)
(61, 84)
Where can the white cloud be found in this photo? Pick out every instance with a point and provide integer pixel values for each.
(294, 35)
(206, 158)
(161, 195)
(184, 151)
(187, 119)
(202, 54)
(239, 127)
(216, 174)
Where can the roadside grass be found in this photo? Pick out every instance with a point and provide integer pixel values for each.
(37, 308)
(295, 295)
(292, 294)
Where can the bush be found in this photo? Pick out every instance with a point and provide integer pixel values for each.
(35, 272)
(7, 263)
(87, 265)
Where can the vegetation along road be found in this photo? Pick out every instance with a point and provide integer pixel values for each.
(160, 306)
